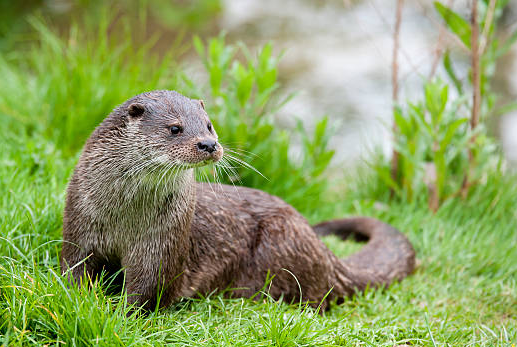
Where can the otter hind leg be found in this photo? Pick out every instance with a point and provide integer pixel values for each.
(291, 255)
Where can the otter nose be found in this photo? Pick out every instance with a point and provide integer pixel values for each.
(207, 145)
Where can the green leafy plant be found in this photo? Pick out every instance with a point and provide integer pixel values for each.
(432, 141)
(242, 104)
(443, 141)
(493, 45)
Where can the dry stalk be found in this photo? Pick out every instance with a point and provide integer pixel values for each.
(488, 24)
(430, 170)
(395, 86)
(476, 95)
(439, 46)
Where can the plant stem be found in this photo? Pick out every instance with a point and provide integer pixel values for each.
(488, 24)
(439, 46)
(395, 86)
(476, 94)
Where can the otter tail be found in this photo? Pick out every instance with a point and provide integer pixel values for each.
(387, 256)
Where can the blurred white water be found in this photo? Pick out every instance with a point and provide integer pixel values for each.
(337, 55)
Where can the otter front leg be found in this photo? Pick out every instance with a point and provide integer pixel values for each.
(151, 276)
(76, 262)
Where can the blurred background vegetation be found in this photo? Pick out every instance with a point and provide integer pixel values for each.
(68, 63)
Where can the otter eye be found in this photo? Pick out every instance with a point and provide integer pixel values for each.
(175, 129)
(209, 126)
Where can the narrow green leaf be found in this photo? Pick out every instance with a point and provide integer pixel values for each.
(507, 108)
(507, 45)
(401, 122)
(451, 130)
(455, 22)
(198, 45)
(447, 64)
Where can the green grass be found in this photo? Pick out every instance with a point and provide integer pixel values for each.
(464, 291)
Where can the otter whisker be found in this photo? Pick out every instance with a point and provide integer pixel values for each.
(219, 179)
(134, 172)
(169, 168)
(135, 188)
(143, 163)
(158, 184)
(176, 168)
(139, 169)
(208, 181)
(239, 152)
(129, 178)
(232, 169)
(135, 169)
(167, 179)
(232, 175)
(180, 167)
(139, 181)
(217, 175)
(249, 166)
(223, 167)
(228, 165)
(229, 145)
(239, 148)
(248, 155)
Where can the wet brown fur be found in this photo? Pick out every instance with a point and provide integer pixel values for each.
(133, 203)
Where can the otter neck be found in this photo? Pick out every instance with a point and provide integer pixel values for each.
(174, 195)
(142, 200)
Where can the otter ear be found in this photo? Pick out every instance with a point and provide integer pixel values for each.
(135, 110)
(202, 104)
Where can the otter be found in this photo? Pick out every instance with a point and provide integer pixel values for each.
(133, 204)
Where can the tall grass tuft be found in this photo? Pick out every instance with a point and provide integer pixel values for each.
(63, 87)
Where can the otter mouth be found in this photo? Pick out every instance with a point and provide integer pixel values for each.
(189, 160)
(205, 156)
(202, 159)
(190, 165)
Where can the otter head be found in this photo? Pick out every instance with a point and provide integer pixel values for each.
(172, 128)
